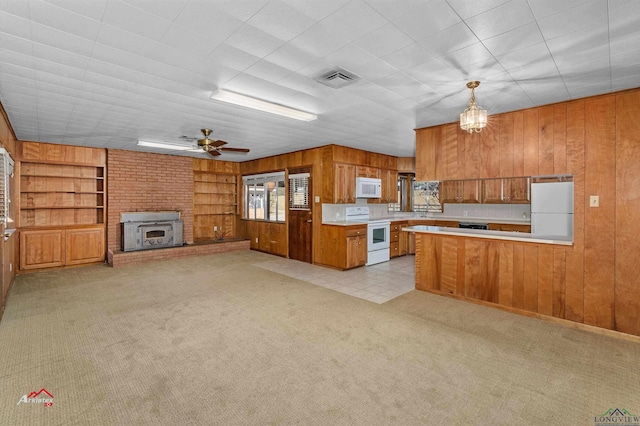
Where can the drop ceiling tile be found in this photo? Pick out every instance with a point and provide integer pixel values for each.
(580, 47)
(14, 25)
(129, 18)
(589, 15)
(61, 40)
(268, 71)
(544, 8)
(125, 41)
(190, 40)
(73, 65)
(57, 17)
(271, 17)
(528, 57)
(514, 40)
(166, 9)
(291, 57)
(349, 57)
(253, 41)
(16, 7)
(403, 85)
(316, 10)
(450, 39)
(390, 9)
(468, 58)
(501, 19)
(242, 10)
(384, 40)
(374, 70)
(467, 9)
(427, 19)
(354, 20)
(319, 41)
(408, 57)
(231, 57)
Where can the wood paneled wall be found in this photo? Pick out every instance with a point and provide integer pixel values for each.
(596, 139)
(8, 248)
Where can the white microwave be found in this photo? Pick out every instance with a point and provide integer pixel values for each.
(368, 188)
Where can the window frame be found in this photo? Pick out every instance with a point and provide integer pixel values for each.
(270, 183)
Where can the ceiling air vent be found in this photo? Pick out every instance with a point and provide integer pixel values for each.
(337, 78)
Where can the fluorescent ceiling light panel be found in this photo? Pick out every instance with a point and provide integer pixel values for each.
(168, 146)
(260, 105)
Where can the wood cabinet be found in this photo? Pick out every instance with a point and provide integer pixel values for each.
(61, 205)
(509, 227)
(389, 186)
(460, 191)
(506, 190)
(398, 239)
(215, 205)
(343, 247)
(356, 243)
(344, 188)
(268, 237)
(367, 172)
(61, 194)
(47, 248)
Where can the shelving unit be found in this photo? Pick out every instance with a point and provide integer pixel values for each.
(61, 195)
(215, 204)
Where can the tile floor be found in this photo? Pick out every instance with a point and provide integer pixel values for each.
(376, 283)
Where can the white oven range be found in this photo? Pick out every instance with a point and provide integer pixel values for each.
(378, 234)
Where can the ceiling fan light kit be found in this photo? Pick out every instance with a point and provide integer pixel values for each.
(474, 118)
(150, 144)
(260, 105)
(212, 147)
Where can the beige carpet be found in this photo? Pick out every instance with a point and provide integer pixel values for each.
(216, 340)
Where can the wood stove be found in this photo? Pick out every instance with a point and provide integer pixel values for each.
(150, 230)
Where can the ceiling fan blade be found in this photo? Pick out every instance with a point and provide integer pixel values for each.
(217, 143)
(235, 149)
(213, 152)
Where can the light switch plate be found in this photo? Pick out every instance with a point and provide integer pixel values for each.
(317, 198)
(594, 201)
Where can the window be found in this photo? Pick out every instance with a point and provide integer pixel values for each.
(415, 196)
(6, 172)
(299, 191)
(264, 197)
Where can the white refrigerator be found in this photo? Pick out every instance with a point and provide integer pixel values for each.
(552, 208)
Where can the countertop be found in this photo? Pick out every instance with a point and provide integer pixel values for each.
(414, 218)
(493, 235)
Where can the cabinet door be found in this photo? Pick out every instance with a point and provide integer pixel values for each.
(389, 186)
(471, 191)
(492, 191)
(84, 245)
(41, 249)
(368, 172)
(450, 191)
(517, 190)
(344, 183)
(356, 251)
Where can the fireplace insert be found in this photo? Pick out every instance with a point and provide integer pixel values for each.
(150, 230)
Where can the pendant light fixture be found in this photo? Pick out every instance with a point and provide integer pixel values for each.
(474, 118)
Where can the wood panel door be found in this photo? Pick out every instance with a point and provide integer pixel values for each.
(300, 216)
(84, 245)
(41, 249)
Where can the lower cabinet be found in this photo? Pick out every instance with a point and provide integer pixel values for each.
(48, 248)
(509, 227)
(356, 251)
(343, 247)
(399, 240)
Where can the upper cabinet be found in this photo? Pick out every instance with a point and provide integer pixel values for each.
(344, 187)
(460, 191)
(506, 191)
(367, 172)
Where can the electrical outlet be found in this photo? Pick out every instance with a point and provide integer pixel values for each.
(10, 266)
(594, 201)
(215, 229)
(466, 213)
(256, 240)
(317, 198)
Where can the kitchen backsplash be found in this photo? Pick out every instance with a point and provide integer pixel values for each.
(336, 212)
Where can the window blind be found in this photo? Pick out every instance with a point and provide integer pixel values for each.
(299, 191)
(6, 171)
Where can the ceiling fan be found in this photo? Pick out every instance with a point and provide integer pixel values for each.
(214, 147)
